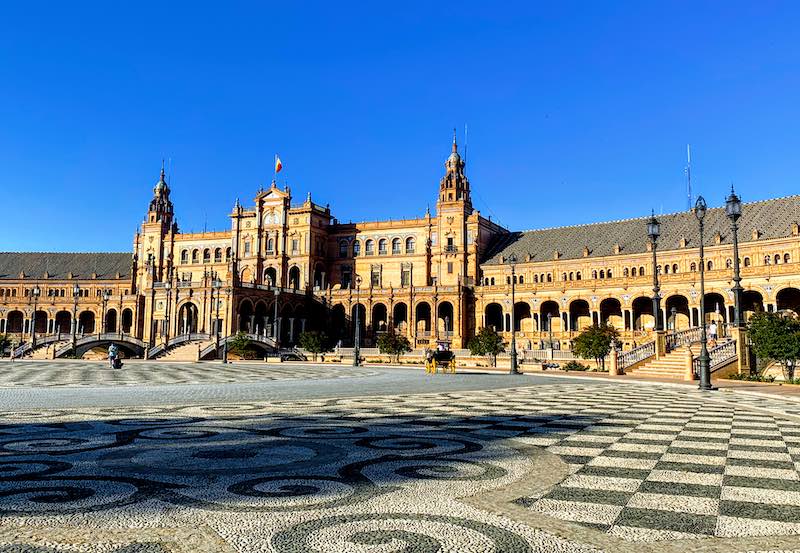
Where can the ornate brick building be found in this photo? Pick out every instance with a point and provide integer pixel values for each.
(284, 267)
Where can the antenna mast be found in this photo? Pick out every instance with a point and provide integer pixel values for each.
(689, 177)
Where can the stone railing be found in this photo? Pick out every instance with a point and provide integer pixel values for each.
(683, 337)
(629, 358)
(718, 357)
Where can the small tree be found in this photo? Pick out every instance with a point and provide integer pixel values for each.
(595, 343)
(392, 343)
(314, 342)
(487, 342)
(240, 345)
(5, 341)
(776, 337)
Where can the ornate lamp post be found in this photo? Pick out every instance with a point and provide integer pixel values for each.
(512, 260)
(228, 311)
(216, 285)
(733, 209)
(168, 287)
(356, 345)
(76, 291)
(654, 231)
(705, 373)
(35, 292)
(550, 331)
(106, 297)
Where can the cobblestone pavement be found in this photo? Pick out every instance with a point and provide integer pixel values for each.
(555, 466)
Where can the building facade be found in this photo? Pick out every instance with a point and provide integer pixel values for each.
(286, 267)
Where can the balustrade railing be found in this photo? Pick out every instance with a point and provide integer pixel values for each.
(683, 337)
(629, 358)
(718, 357)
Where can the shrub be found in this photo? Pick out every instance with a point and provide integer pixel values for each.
(486, 342)
(575, 366)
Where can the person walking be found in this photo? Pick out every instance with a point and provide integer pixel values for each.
(113, 354)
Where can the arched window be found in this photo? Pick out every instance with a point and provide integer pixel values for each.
(786, 258)
(578, 275)
(674, 267)
(492, 281)
(747, 261)
(382, 246)
(549, 277)
(777, 258)
(594, 274)
(766, 260)
(410, 245)
(571, 276)
(641, 271)
(185, 256)
(396, 246)
(728, 263)
(535, 278)
(666, 269)
(342, 248)
(369, 247)
(195, 256)
(206, 256)
(563, 276)
(608, 273)
(602, 274)
(522, 279)
(218, 255)
(710, 265)
(271, 245)
(625, 272)
(356, 248)
(693, 266)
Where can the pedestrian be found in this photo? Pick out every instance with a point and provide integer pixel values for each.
(712, 331)
(113, 353)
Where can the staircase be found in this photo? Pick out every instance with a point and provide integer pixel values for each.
(672, 365)
(45, 351)
(184, 352)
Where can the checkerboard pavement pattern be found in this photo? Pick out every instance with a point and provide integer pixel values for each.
(651, 466)
(79, 373)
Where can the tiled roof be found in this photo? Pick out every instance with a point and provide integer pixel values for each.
(772, 218)
(60, 265)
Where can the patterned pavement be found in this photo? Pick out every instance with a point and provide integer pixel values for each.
(556, 466)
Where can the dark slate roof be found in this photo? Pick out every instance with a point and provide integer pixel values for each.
(772, 218)
(59, 265)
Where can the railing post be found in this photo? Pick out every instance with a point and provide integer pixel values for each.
(613, 365)
(688, 365)
(740, 343)
(661, 344)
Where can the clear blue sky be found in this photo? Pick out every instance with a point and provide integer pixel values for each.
(577, 111)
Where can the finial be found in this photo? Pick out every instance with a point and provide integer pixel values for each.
(428, 210)
(455, 147)
(308, 198)
(236, 204)
(273, 185)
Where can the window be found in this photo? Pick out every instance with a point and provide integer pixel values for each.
(356, 248)
(594, 274)
(625, 272)
(295, 245)
(396, 246)
(227, 254)
(766, 260)
(608, 274)
(342, 248)
(728, 263)
(746, 261)
(185, 256)
(369, 247)
(602, 274)
(247, 248)
(710, 265)
(382, 246)
(206, 256)
(347, 276)
(449, 267)
(492, 281)
(666, 269)
(777, 259)
(693, 267)
(195, 256)
(674, 267)
(218, 255)
(451, 247)
(376, 277)
(578, 275)
(409, 245)
(641, 271)
(786, 258)
(405, 277)
(549, 277)
(535, 278)
(271, 245)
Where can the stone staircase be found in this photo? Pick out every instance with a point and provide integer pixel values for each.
(184, 352)
(45, 351)
(672, 365)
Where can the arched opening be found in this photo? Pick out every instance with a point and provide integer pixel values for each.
(444, 318)
(580, 315)
(127, 320)
(86, 322)
(294, 278)
(550, 316)
(409, 245)
(523, 322)
(15, 322)
(41, 322)
(246, 316)
(218, 255)
(400, 317)
(287, 325)
(358, 313)
(380, 318)
(247, 275)
(642, 309)
(396, 246)
(319, 275)
(261, 319)
(611, 313)
(206, 255)
(338, 322)
(271, 276)
(187, 319)
(715, 308)
(494, 317)
(63, 322)
(752, 302)
(788, 299)
(423, 317)
(679, 319)
(111, 320)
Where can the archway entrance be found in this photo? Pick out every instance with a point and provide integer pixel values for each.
(187, 319)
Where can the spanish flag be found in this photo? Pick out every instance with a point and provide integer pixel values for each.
(278, 165)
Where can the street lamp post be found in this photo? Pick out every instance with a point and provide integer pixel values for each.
(76, 290)
(357, 340)
(705, 373)
(106, 297)
(733, 209)
(36, 291)
(168, 287)
(654, 231)
(216, 285)
(512, 260)
(550, 330)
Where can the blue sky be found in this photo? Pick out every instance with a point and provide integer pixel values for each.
(577, 111)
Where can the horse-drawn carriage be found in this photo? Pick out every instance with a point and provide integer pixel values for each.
(440, 359)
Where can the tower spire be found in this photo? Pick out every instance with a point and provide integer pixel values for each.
(455, 146)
